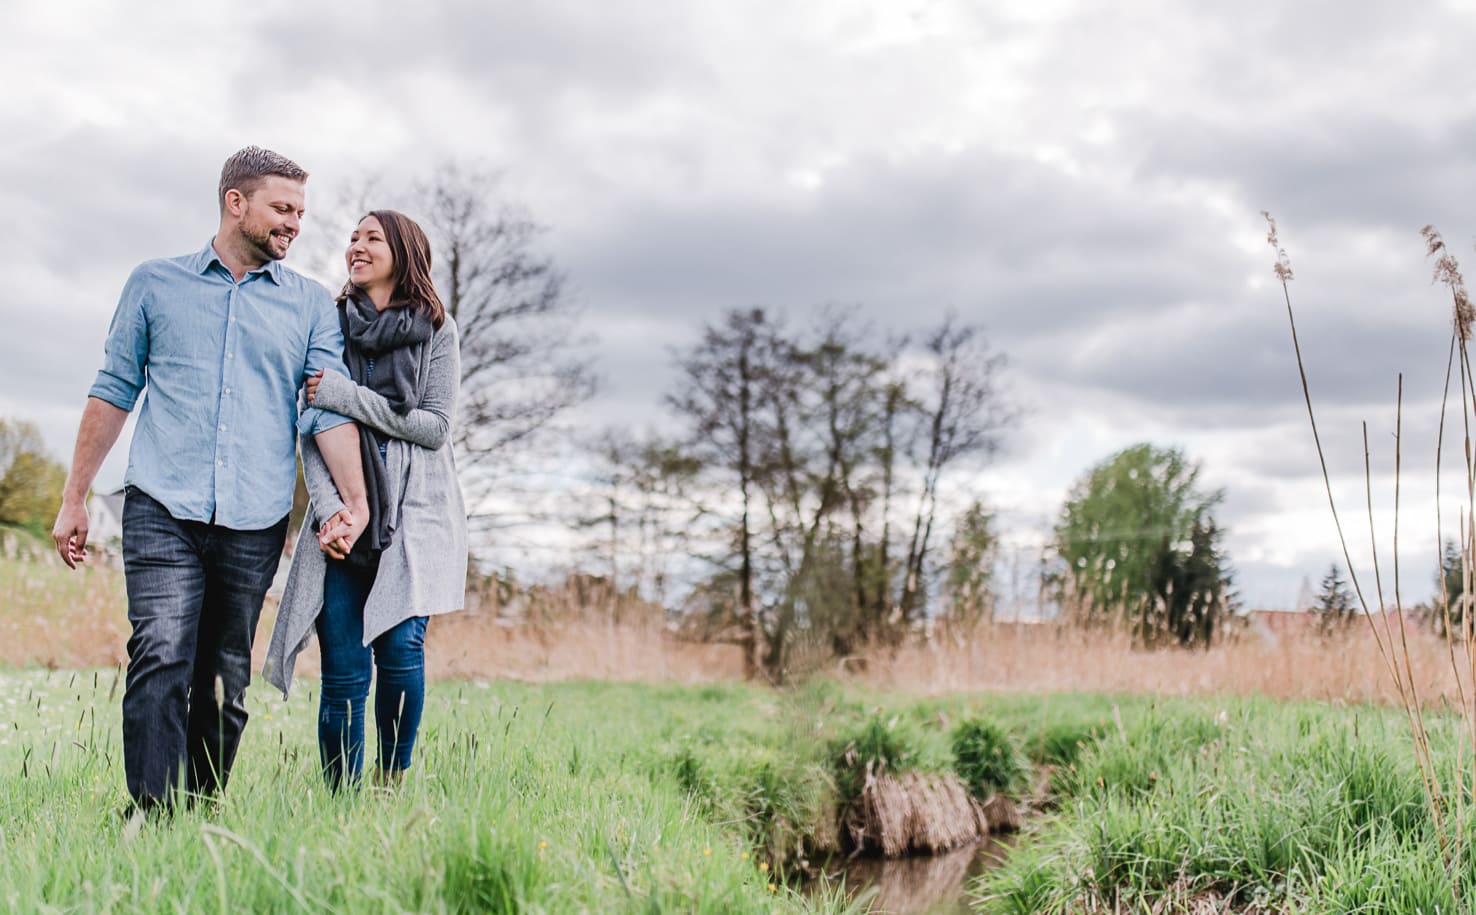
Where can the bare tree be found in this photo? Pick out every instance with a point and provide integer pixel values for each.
(808, 445)
(519, 366)
(640, 524)
(722, 397)
(963, 415)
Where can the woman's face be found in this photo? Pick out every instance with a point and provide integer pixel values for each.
(370, 263)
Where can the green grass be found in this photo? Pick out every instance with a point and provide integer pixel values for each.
(524, 799)
(1282, 806)
(627, 798)
(551, 798)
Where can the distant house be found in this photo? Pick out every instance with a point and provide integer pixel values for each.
(105, 524)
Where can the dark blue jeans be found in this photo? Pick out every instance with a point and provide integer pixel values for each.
(194, 597)
(399, 697)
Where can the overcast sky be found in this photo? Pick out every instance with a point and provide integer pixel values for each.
(1083, 179)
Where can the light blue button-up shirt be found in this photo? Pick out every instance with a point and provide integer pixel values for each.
(222, 362)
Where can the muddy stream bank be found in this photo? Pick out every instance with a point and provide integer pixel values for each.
(916, 842)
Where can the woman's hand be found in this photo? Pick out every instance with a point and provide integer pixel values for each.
(312, 385)
(336, 537)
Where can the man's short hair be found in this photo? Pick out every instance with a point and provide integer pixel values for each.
(244, 170)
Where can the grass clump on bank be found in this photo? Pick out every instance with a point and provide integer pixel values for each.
(874, 749)
(987, 760)
(1253, 804)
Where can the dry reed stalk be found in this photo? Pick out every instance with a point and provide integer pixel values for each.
(1446, 271)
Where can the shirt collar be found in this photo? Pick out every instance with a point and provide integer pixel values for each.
(208, 258)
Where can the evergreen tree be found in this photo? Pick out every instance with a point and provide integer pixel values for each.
(1335, 606)
(1450, 611)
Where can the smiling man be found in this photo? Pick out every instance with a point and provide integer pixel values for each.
(218, 343)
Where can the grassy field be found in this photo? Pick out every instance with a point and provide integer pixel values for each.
(1181, 782)
(637, 798)
(528, 799)
(565, 797)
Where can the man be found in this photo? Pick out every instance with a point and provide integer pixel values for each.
(222, 339)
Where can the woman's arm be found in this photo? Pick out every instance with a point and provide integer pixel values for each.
(428, 425)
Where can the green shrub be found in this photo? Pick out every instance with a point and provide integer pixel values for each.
(880, 746)
(987, 760)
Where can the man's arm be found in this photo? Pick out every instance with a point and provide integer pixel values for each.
(340, 449)
(102, 423)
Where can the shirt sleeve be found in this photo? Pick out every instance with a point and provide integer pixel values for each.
(126, 351)
(325, 351)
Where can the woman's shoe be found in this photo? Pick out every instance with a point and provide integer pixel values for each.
(388, 780)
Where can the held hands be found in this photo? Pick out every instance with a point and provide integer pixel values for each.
(339, 533)
(70, 533)
(310, 387)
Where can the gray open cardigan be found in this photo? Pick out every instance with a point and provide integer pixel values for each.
(423, 571)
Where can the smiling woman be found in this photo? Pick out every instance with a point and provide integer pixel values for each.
(369, 600)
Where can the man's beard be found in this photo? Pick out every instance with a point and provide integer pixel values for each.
(261, 243)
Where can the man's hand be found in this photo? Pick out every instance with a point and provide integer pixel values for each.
(70, 532)
(339, 533)
(101, 424)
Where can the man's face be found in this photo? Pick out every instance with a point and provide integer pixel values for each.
(272, 216)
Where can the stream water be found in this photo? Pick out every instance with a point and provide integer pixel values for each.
(933, 885)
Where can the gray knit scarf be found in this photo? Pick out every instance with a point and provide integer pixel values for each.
(393, 338)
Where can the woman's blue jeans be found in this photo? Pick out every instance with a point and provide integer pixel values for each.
(399, 657)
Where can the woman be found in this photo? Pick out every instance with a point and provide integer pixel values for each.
(369, 605)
